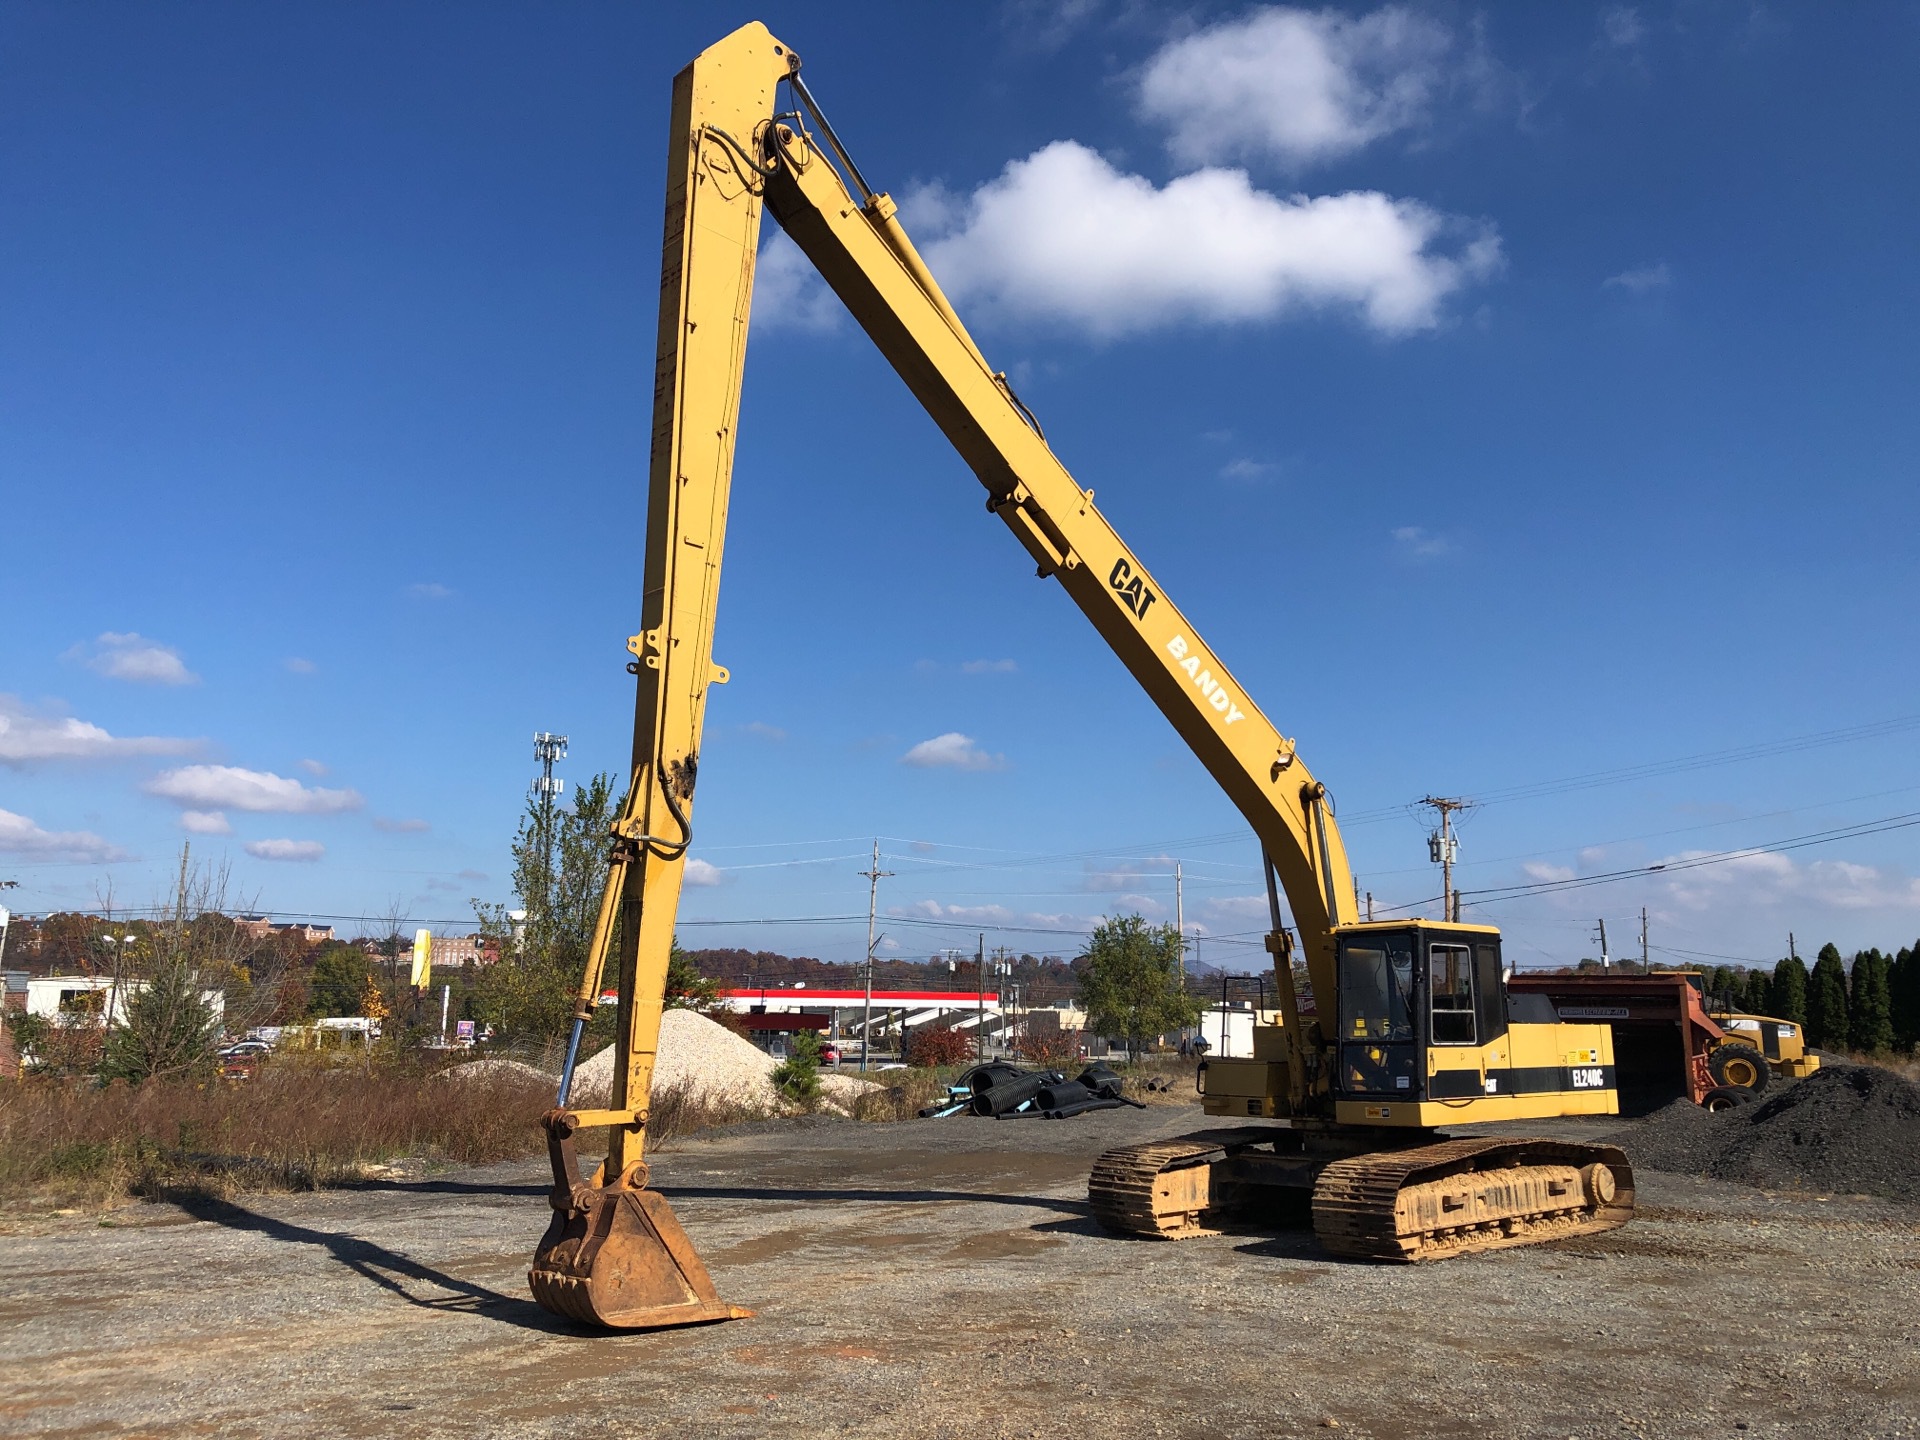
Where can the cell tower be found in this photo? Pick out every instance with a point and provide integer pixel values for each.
(547, 749)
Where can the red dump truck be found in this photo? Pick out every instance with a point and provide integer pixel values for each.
(1668, 1041)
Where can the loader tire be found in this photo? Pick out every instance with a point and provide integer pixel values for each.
(1740, 1067)
(1726, 1097)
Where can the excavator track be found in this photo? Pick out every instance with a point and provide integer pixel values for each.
(1460, 1197)
(1160, 1190)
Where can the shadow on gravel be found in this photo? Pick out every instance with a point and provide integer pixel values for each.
(883, 1197)
(443, 1187)
(385, 1268)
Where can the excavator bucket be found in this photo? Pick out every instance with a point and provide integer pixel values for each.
(614, 1254)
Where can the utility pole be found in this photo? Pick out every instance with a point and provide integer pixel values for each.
(980, 1021)
(1369, 907)
(1443, 848)
(1604, 960)
(1180, 921)
(547, 749)
(1643, 938)
(874, 876)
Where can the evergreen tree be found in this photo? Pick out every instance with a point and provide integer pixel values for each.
(1827, 1001)
(1869, 1006)
(1758, 994)
(1787, 995)
(1724, 986)
(1903, 992)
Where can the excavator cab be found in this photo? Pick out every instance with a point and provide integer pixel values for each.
(1407, 989)
(1426, 1034)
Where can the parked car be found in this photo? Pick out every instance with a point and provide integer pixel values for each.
(244, 1048)
(829, 1053)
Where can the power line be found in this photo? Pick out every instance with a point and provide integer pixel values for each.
(1799, 842)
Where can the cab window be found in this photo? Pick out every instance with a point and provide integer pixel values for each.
(1376, 980)
(1450, 986)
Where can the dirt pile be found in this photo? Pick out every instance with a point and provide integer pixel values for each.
(711, 1063)
(1848, 1129)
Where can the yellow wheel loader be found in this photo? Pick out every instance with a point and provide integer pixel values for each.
(1414, 1028)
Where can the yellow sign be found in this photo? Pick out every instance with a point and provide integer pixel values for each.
(422, 959)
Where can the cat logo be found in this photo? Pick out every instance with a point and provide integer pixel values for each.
(1131, 589)
(1588, 1077)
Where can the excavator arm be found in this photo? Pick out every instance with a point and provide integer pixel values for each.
(733, 153)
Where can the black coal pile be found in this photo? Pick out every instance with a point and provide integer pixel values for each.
(1847, 1129)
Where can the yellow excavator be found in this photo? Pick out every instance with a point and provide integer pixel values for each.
(1412, 1026)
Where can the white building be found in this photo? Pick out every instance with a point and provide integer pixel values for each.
(73, 999)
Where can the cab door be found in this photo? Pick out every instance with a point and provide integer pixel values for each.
(1380, 1051)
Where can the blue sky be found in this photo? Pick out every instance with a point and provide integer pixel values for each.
(1509, 394)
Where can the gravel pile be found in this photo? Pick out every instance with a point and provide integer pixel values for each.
(496, 1068)
(1847, 1129)
(711, 1062)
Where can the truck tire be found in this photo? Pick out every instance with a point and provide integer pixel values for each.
(1739, 1066)
(1726, 1097)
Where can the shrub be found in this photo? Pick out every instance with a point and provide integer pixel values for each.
(798, 1077)
(1050, 1049)
(931, 1047)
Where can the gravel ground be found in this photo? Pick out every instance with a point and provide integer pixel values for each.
(939, 1279)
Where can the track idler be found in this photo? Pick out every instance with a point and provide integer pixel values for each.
(615, 1255)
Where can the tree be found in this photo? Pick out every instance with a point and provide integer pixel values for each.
(167, 1025)
(1827, 1001)
(529, 991)
(798, 1077)
(339, 979)
(1787, 997)
(1869, 1005)
(1130, 983)
(1758, 994)
(1903, 992)
(687, 988)
(1724, 985)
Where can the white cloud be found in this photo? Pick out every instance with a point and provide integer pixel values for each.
(1415, 543)
(28, 737)
(301, 850)
(1541, 871)
(1124, 874)
(429, 590)
(1766, 878)
(1297, 86)
(228, 787)
(699, 872)
(133, 657)
(1641, 280)
(1622, 27)
(992, 915)
(204, 822)
(20, 836)
(1063, 236)
(788, 293)
(764, 730)
(952, 751)
(988, 667)
(1247, 472)
(314, 768)
(388, 826)
(299, 666)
